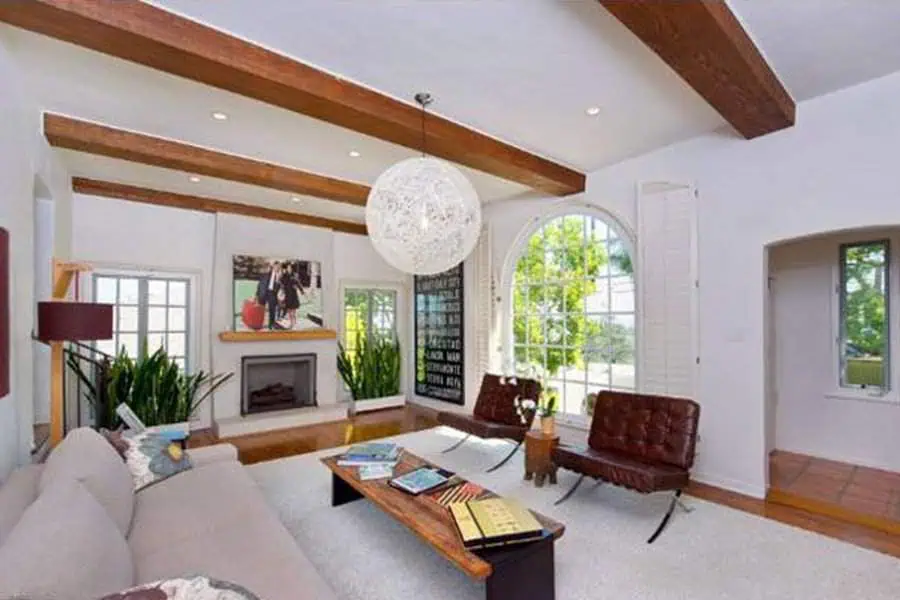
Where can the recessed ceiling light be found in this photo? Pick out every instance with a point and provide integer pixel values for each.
(296, 199)
(219, 116)
(194, 179)
(354, 154)
(592, 111)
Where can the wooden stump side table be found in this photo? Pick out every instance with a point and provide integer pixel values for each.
(538, 457)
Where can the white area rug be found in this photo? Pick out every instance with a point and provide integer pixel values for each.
(712, 553)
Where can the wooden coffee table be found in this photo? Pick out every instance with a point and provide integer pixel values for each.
(509, 572)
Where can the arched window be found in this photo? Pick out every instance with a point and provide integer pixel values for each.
(573, 309)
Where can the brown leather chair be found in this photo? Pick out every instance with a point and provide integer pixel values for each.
(495, 414)
(641, 442)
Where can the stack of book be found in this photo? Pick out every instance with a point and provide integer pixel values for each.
(375, 460)
(494, 522)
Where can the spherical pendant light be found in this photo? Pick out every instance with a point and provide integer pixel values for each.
(423, 215)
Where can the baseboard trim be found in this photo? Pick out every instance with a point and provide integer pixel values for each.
(835, 511)
(732, 485)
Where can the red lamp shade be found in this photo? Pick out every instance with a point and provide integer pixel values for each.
(74, 321)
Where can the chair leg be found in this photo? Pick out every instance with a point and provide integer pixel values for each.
(457, 444)
(675, 499)
(505, 460)
(571, 491)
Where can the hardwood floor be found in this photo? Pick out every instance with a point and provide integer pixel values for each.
(369, 426)
(261, 447)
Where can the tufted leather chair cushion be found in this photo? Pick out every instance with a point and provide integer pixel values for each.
(651, 429)
(620, 469)
(497, 395)
(495, 411)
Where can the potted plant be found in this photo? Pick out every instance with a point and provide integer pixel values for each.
(372, 372)
(155, 387)
(544, 409)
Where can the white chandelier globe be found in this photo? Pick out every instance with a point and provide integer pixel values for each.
(423, 216)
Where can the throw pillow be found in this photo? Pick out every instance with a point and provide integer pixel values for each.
(152, 458)
(194, 588)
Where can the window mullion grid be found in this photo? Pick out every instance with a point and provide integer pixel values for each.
(143, 302)
(187, 326)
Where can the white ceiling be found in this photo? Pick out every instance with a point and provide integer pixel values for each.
(820, 46)
(523, 71)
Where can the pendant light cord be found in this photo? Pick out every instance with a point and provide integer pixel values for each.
(423, 99)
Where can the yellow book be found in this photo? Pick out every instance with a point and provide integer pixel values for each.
(494, 522)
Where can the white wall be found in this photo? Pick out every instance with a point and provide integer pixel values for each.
(114, 233)
(24, 158)
(836, 169)
(812, 415)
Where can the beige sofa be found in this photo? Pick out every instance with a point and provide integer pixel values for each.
(73, 528)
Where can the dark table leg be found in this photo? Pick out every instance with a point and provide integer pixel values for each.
(524, 571)
(342, 492)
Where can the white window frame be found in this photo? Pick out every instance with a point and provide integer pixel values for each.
(193, 359)
(892, 394)
(565, 208)
(400, 321)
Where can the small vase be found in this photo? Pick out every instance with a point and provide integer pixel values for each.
(548, 426)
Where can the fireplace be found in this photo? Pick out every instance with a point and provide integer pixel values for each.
(277, 382)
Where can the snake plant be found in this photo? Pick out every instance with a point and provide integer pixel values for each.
(373, 370)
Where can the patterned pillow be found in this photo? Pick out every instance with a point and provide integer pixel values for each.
(151, 458)
(198, 587)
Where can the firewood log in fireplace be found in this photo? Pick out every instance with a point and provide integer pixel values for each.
(276, 393)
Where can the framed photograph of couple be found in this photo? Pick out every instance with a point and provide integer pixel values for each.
(276, 294)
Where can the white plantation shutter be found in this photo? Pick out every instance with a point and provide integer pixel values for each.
(484, 317)
(667, 269)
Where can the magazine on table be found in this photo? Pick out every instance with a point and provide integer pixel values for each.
(421, 480)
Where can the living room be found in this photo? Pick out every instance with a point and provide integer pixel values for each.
(642, 201)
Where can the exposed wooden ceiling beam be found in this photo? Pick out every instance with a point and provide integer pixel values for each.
(120, 191)
(136, 31)
(703, 41)
(65, 132)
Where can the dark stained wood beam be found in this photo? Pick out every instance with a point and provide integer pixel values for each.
(703, 41)
(138, 32)
(119, 191)
(65, 132)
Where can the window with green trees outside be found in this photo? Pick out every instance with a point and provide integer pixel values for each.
(368, 311)
(864, 310)
(574, 309)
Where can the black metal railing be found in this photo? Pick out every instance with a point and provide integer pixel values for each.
(85, 395)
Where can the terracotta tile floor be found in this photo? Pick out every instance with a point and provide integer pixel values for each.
(861, 489)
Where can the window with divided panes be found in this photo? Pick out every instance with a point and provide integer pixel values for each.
(574, 310)
(149, 312)
(368, 311)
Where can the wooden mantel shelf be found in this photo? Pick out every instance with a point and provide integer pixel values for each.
(318, 333)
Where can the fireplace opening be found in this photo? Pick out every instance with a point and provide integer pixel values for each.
(277, 382)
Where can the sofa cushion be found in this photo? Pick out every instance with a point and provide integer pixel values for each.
(482, 427)
(16, 495)
(205, 520)
(256, 552)
(64, 546)
(192, 504)
(86, 456)
(621, 469)
(152, 458)
(180, 588)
